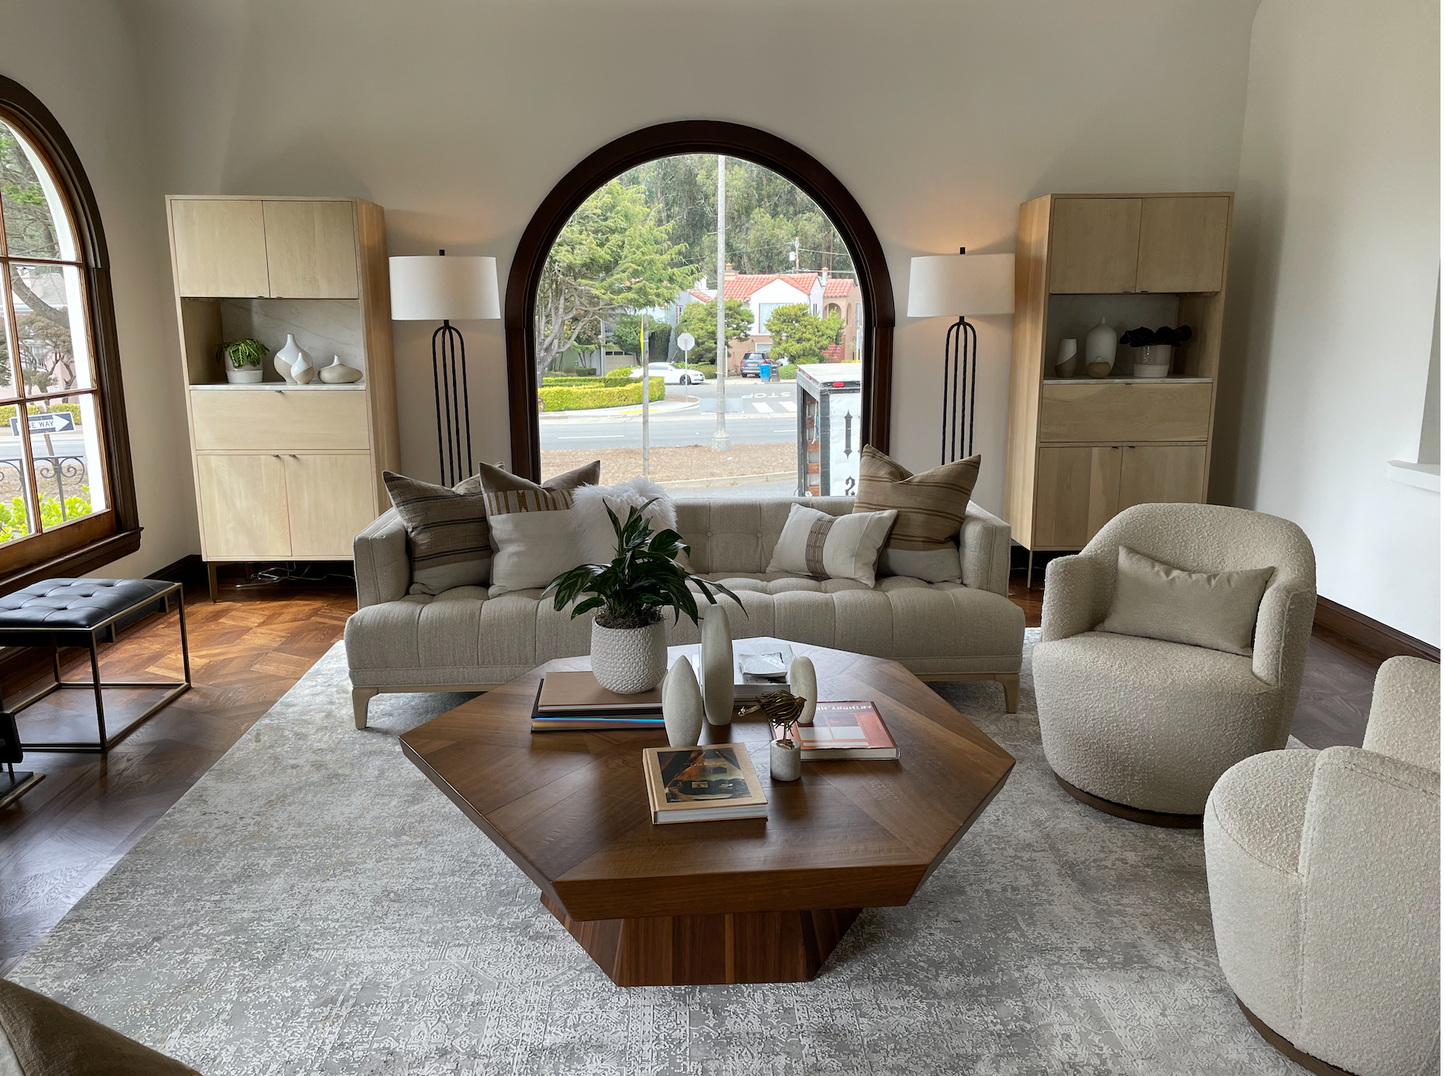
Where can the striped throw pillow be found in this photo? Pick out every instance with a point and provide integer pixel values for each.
(532, 526)
(930, 507)
(447, 532)
(831, 547)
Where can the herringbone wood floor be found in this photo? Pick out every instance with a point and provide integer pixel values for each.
(246, 651)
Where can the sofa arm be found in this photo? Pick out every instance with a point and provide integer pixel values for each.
(1076, 596)
(1281, 641)
(984, 541)
(383, 565)
(1405, 712)
(1369, 997)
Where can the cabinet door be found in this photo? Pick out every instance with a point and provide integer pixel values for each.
(220, 248)
(311, 250)
(1162, 474)
(1094, 244)
(243, 506)
(330, 500)
(1181, 244)
(1076, 494)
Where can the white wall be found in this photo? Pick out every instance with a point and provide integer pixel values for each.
(459, 116)
(1333, 286)
(65, 52)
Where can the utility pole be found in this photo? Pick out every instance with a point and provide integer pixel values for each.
(721, 442)
(646, 393)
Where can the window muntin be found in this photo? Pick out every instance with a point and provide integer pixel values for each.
(52, 473)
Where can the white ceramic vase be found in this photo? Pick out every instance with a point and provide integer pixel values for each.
(1101, 347)
(716, 658)
(785, 760)
(629, 660)
(682, 710)
(338, 373)
(303, 371)
(286, 359)
(1067, 364)
(803, 682)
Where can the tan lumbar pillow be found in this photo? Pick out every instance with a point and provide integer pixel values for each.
(930, 506)
(533, 533)
(1210, 609)
(832, 547)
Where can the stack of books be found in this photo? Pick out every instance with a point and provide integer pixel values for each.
(710, 783)
(845, 730)
(575, 701)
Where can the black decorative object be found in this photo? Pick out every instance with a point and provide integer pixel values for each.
(454, 413)
(954, 404)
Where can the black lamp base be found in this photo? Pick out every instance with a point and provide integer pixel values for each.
(454, 415)
(956, 403)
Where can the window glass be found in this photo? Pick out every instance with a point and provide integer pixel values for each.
(36, 224)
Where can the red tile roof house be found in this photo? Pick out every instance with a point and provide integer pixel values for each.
(765, 292)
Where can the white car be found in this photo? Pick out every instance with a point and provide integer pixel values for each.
(671, 373)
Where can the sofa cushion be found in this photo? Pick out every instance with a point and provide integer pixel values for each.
(446, 530)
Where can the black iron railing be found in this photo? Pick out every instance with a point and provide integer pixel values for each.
(58, 469)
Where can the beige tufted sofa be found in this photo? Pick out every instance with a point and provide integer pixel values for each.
(464, 640)
(1150, 725)
(1324, 882)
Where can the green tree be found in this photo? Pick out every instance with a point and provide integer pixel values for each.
(612, 256)
(800, 335)
(700, 319)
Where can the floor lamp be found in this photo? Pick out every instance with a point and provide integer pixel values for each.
(446, 290)
(960, 286)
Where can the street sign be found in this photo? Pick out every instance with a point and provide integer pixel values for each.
(686, 342)
(50, 422)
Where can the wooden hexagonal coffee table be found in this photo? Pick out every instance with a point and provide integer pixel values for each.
(744, 901)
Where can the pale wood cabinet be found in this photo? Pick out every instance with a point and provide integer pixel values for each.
(1080, 450)
(285, 471)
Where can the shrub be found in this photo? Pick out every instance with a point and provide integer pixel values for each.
(587, 397)
(622, 376)
(15, 520)
(8, 411)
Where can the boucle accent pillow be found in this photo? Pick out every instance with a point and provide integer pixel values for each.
(1216, 610)
(931, 507)
(596, 539)
(832, 547)
(532, 531)
(447, 531)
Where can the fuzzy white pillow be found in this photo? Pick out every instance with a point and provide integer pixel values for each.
(596, 539)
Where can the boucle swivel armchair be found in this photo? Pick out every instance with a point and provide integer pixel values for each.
(1324, 881)
(1140, 727)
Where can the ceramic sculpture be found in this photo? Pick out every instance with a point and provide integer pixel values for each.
(803, 682)
(1100, 348)
(287, 358)
(338, 373)
(716, 657)
(682, 710)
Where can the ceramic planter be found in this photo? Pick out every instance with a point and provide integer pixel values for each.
(629, 660)
(785, 760)
(246, 375)
(1153, 360)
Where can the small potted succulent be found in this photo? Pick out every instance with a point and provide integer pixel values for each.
(1154, 348)
(242, 360)
(629, 638)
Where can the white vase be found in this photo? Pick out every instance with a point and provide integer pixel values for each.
(682, 710)
(1101, 346)
(803, 682)
(1067, 364)
(338, 373)
(290, 354)
(785, 760)
(302, 372)
(629, 660)
(716, 657)
(246, 375)
(1153, 360)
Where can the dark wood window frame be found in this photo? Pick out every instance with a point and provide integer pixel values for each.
(78, 548)
(670, 140)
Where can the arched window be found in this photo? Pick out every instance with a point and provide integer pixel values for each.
(674, 140)
(67, 501)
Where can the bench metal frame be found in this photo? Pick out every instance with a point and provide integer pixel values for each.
(89, 638)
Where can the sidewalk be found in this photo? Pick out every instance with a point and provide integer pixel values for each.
(662, 407)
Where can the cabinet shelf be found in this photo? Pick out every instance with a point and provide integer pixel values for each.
(1128, 381)
(281, 386)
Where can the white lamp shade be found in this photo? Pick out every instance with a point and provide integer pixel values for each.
(439, 288)
(961, 285)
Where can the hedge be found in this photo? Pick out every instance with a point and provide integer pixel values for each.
(621, 376)
(565, 398)
(8, 411)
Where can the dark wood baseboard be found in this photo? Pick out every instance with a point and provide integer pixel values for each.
(1132, 814)
(1369, 637)
(1289, 1049)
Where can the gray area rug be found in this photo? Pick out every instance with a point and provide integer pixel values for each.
(314, 905)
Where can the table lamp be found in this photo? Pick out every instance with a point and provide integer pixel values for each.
(959, 285)
(447, 289)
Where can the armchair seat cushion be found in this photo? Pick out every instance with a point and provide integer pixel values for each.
(1148, 723)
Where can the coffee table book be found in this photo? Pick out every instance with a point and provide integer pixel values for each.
(845, 730)
(708, 783)
(584, 719)
(574, 692)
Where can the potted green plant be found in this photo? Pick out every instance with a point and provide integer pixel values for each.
(242, 360)
(629, 638)
(1154, 348)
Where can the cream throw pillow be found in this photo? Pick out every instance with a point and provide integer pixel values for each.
(832, 547)
(532, 532)
(1210, 609)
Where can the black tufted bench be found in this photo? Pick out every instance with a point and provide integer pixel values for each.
(79, 612)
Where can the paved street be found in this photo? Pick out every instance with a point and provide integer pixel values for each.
(65, 444)
(757, 414)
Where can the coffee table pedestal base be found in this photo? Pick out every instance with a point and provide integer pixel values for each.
(695, 950)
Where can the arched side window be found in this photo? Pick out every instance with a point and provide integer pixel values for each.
(695, 137)
(67, 497)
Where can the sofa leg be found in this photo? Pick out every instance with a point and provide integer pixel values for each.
(1010, 682)
(360, 696)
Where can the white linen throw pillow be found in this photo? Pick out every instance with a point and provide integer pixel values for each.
(832, 547)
